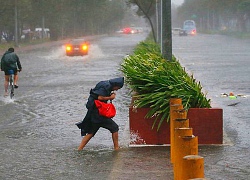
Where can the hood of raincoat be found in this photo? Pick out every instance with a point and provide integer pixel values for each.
(117, 82)
(104, 88)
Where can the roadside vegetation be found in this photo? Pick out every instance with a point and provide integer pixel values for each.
(229, 17)
(154, 80)
(64, 18)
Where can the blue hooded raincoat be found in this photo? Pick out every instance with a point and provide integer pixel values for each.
(103, 88)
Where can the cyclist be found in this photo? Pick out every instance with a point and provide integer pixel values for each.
(10, 61)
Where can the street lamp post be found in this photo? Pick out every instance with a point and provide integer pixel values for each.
(16, 25)
(166, 34)
(158, 18)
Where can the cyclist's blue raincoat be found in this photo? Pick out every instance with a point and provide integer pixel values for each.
(103, 88)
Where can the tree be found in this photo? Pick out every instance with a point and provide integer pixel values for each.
(147, 9)
(214, 14)
(64, 18)
(243, 13)
(7, 24)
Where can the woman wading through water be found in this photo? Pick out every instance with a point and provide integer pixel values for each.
(103, 91)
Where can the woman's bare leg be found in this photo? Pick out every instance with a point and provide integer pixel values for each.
(115, 140)
(85, 140)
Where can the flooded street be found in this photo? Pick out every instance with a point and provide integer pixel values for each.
(222, 65)
(39, 139)
(37, 130)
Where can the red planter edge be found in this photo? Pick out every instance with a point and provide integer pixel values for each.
(207, 124)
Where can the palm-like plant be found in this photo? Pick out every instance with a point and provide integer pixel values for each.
(156, 80)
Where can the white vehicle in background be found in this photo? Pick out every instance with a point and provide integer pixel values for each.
(135, 30)
(39, 35)
(176, 31)
(190, 27)
(120, 31)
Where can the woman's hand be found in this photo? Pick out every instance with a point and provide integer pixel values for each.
(106, 98)
(112, 96)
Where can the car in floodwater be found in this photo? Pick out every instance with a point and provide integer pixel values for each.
(190, 27)
(127, 30)
(77, 47)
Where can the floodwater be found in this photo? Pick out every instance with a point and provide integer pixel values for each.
(222, 65)
(38, 136)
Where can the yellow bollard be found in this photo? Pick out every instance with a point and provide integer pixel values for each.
(193, 167)
(178, 114)
(179, 123)
(186, 145)
(173, 115)
(179, 132)
(182, 113)
(173, 101)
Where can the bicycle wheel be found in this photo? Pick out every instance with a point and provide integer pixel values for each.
(11, 86)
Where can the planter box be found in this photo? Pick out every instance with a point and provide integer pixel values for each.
(207, 124)
(141, 131)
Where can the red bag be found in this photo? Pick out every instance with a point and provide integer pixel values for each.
(105, 109)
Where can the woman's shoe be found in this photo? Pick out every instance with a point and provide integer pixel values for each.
(16, 86)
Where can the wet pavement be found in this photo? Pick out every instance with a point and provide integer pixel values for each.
(222, 65)
(38, 138)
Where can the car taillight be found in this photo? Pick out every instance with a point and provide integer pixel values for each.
(84, 47)
(68, 48)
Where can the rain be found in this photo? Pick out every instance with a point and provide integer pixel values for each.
(38, 135)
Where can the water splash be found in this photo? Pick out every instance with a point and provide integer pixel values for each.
(7, 100)
(135, 138)
(95, 51)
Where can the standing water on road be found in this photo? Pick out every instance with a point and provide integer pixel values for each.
(222, 65)
(38, 136)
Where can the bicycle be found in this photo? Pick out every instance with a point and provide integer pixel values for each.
(11, 83)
